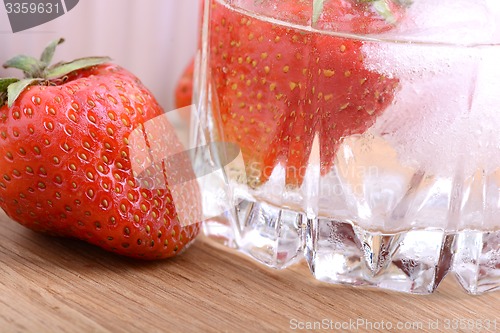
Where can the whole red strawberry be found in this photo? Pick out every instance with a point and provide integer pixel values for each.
(66, 167)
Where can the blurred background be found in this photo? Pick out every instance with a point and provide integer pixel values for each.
(154, 39)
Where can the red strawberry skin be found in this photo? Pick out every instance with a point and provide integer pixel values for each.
(66, 166)
(277, 88)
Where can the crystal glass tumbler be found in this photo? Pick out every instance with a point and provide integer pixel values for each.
(361, 136)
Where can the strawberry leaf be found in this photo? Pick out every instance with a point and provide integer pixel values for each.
(29, 65)
(405, 3)
(4, 83)
(49, 51)
(66, 68)
(16, 88)
(37, 71)
(317, 10)
(383, 9)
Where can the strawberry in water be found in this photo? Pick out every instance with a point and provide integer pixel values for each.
(66, 163)
(278, 87)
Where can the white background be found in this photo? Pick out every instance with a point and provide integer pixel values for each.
(154, 39)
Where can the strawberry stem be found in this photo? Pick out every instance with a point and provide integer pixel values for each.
(39, 71)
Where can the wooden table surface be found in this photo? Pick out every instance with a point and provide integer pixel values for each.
(58, 285)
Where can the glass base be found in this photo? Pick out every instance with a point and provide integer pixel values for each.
(340, 252)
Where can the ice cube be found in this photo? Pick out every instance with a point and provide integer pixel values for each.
(450, 21)
(444, 117)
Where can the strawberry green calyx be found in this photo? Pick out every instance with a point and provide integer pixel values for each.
(39, 71)
(317, 9)
(381, 7)
(4, 84)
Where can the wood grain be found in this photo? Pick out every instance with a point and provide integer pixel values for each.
(59, 285)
